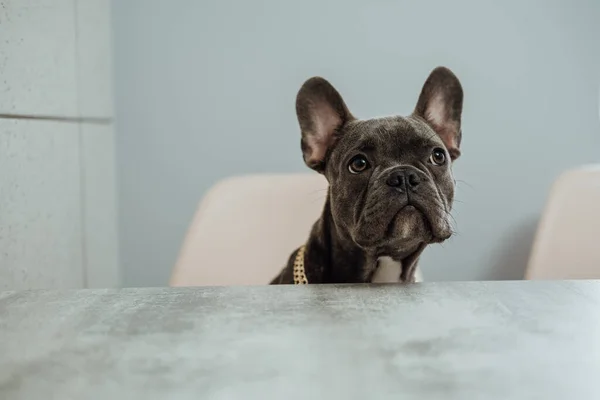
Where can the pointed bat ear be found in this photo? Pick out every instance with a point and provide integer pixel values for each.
(321, 113)
(440, 104)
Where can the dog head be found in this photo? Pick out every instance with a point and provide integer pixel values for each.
(391, 186)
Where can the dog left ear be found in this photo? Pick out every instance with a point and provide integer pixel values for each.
(440, 104)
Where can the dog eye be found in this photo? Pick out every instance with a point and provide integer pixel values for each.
(358, 164)
(438, 157)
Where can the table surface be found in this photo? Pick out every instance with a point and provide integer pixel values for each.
(479, 340)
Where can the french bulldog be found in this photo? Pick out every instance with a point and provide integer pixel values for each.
(391, 186)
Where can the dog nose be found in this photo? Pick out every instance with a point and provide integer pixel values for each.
(402, 180)
(397, 180)
(412, 178)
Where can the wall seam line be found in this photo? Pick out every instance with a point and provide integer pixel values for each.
(82, 169)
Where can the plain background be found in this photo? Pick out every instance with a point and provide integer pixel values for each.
(58, 201)
(206, 89)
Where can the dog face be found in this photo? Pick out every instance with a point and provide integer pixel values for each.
(391, 184)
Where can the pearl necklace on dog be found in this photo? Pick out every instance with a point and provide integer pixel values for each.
(299, 273)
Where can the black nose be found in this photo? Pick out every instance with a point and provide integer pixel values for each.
(403, 179)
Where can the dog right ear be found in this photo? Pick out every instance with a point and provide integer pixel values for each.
(321, 113)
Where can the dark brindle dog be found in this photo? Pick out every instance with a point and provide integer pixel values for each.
(390, 184)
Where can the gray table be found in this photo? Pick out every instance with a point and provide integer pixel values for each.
(505, 340)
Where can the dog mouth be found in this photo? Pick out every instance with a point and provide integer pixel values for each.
(427, 221)
(413, 221)
(391, 224)
(397, 219)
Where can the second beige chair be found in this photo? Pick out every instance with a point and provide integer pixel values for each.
(567, 243)
(245, 228)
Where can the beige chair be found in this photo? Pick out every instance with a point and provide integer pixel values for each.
(246, 227)
(567, 243)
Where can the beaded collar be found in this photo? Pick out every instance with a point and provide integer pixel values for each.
(299, 273)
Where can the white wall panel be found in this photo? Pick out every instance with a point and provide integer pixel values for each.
(100, 207)
(40, 213)
(94, 50)
(37, 57)
(98, 151)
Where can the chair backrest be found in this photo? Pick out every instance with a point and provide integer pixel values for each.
(567, 243)
(246, 227)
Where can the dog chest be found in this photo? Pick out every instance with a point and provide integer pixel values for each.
(389, 271)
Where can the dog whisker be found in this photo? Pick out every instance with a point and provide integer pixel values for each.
(463, 183)
(320, 198)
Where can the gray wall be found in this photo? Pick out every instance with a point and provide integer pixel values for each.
(58, 203)
(206, 90)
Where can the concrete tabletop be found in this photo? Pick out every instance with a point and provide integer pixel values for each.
(503, 340)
